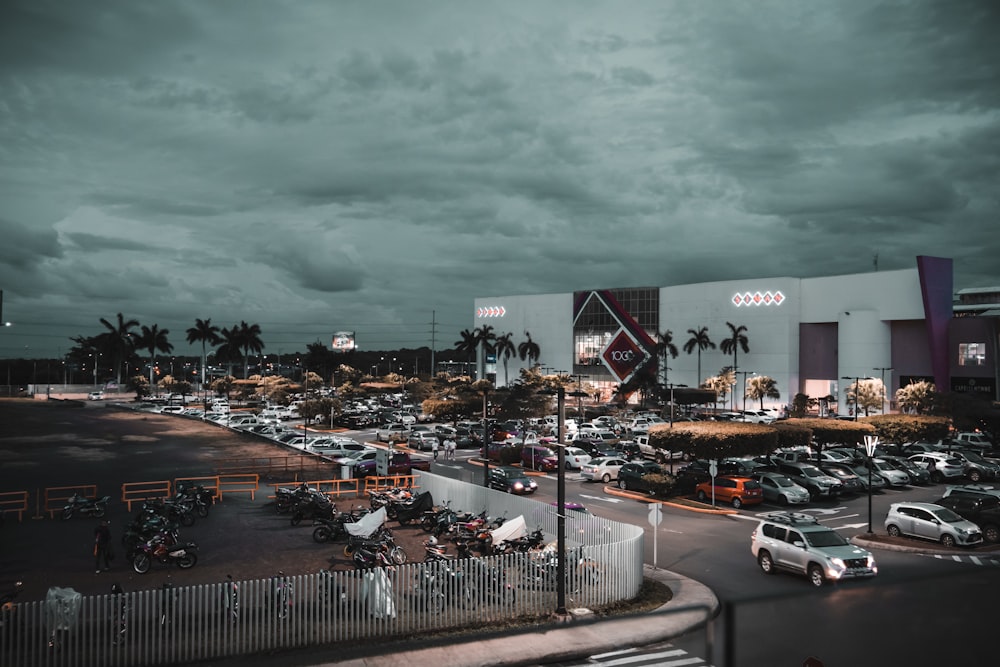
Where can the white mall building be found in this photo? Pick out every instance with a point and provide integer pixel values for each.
(808, 334)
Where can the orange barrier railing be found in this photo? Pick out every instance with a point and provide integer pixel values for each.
(373, 483)
(14, 501)
(248, 483)
(333, 488)
(135, 492)
(56, 496)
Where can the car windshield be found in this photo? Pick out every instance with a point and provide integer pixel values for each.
(810, 471)
(783, 481)
(881, 465)
(825, 538)
(972, 456)
(947, 515)
(836, 471)
(953, 462)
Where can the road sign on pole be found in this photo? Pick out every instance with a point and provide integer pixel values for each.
(655, 517)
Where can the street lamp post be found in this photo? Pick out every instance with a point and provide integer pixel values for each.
(871, 442)
(857, 383)
(882, 370)
(560, 393)
(745, 374)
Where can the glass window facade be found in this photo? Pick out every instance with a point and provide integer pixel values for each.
(600, 318)
(971, 354)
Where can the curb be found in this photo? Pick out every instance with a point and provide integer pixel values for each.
(612, 491)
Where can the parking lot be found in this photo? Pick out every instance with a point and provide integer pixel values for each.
(65, 443)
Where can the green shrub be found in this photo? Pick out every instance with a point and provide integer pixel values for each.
(661, 485)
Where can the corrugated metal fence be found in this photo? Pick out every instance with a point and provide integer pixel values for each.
(159, 627)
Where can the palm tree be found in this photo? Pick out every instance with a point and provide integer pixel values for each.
(121, 341)
(486, 338)
(664, 346)
(229, 347)
(154, 338)
(206, 333)
(505, 349)
(467, 344)
(700, 340)
(528, 350)
(733, 344)
(248, 337)
(760, 387)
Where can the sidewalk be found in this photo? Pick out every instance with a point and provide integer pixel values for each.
(691, 606)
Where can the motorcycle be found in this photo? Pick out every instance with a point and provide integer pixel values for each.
(542, 572)
(328, 529)
(198, 496)
(7, 603)
(382, 541)
(531, 542)
(418, 506)
(183, 555)
(286, 499)
(315, 506)
(87, 506)
(370, 555)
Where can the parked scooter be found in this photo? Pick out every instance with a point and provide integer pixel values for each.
(79, 504)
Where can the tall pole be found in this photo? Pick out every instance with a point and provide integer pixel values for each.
(561, 507)
(882, 370)
(486, 441)
(857, 382)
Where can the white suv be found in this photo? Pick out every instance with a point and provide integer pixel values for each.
(931, 522)
(799, 543)
(941, 465)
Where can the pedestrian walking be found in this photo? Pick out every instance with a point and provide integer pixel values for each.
(449, 449)
(434, 448)
(102, 547)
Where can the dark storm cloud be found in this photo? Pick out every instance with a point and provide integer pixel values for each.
(372, 162)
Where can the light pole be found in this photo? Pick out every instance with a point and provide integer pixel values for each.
(871, 442)
(857, 382)
(882, 370)
(745, 374)
(560, 393)
(672, 385)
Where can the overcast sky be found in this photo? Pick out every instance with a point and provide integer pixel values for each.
(322, 166)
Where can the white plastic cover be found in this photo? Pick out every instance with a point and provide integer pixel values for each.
(510, 530)
(366, 525)
(62, 608)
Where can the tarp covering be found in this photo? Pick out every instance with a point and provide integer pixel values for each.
(62, 608)
(421, 503)
(366, 525)
(510, 530)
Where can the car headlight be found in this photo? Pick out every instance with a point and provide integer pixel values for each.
(962, 531)
(518, 486)
(838, 563)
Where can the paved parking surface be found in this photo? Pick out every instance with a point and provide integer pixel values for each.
(57, 443)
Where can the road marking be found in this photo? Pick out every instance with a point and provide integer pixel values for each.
(607, 500)
(850, 525)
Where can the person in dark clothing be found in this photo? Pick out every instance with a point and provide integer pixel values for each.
(102, 546)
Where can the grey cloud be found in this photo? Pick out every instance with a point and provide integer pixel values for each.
(633, 76)
(88, 242)
(22, 248)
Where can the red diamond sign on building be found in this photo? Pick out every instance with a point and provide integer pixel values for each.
(623, 356)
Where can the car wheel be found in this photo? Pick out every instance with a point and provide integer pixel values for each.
(991, 533)
(606, 478)
(893, 531)
(974, 476)
(816, 575)
(736, 502)
(765, 562)
(782, 500)
(937, 477)
(622, 484)
(948, 540)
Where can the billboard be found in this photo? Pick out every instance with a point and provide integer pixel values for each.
(343, 341)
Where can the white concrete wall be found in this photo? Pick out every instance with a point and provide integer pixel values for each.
(549, 320)
(864, 343)
(772, 332)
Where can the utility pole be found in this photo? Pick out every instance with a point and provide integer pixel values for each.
(433, 343)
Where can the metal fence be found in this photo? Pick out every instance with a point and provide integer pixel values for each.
(168, 626)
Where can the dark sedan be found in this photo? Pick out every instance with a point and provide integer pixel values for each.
(511, 480)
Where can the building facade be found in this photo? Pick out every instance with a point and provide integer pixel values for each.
(811, 335)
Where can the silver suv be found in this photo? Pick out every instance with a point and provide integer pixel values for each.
(799, 543)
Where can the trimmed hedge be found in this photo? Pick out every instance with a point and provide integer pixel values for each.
(909, 428)
(710, 440)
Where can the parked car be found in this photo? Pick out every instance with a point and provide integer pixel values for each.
(931, 522)
(511, 480)
(538, 457)
(604, 469)
(799, 543)
(940, 465)
(893, 476)
(777, 488)
(917, 474)
(980, 508)
(632, 476)
(977, 468)
(575, 458)
(974, 439)
(95, 396)
(736, 491)
(395, 432)
(422, 440)
(849, 481)
(818, 483)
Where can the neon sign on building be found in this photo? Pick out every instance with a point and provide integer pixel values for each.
(491, 311)
(758, 299)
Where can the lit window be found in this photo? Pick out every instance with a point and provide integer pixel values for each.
(971, 354)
